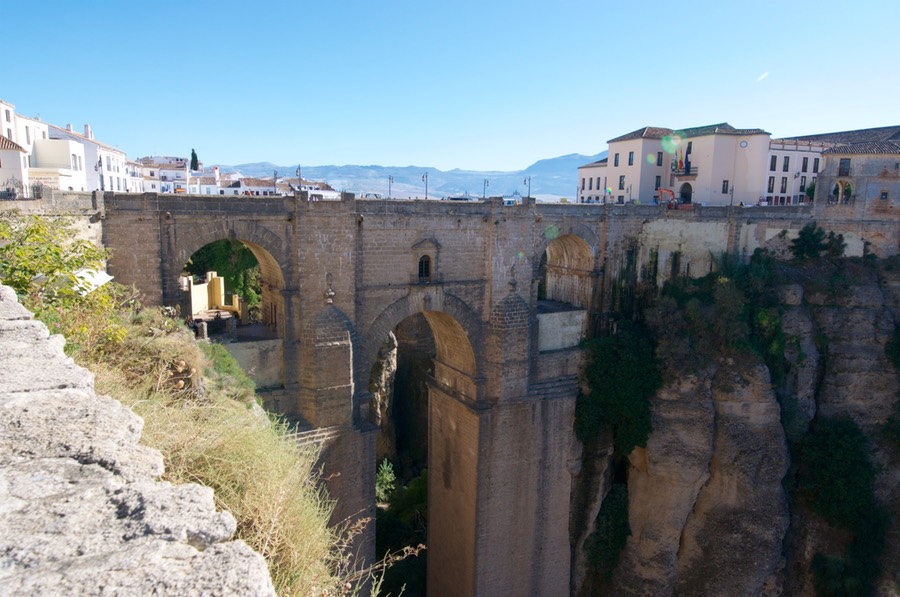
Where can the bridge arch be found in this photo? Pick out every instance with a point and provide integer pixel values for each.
(457, 330)
(268, 248)
(566, 271)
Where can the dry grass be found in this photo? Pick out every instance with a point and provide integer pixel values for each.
(216, 436)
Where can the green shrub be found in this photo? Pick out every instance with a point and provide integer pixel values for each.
(622, 375)
(225, 372)
(892, 348)
(605, 544)
(385, 481)
(812, 241)
(838, 476)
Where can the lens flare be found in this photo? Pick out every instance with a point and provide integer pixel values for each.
(551, 232)
(520, 255)
(651, 159)
(670, 143)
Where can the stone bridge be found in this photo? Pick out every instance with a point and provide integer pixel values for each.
(339, 276)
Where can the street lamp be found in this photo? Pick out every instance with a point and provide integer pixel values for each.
(390, 182)
(425, 178)
(629, 193)
(484, 188)
(299, 179)
(528, 182)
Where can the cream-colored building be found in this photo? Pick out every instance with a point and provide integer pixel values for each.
(715, 165)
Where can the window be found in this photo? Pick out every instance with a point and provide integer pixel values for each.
(616, 160)
(805, 165)
(424, 268)
(74, 162)
(108, 167)
(598, 183)
(724, 187)
(28, 135)
(772, 163)
(815, 165)
(582, 182)
(787, 161)
(590, 184)
(622, 183)
(80, 164)
(690, 147)
(844, 167)
(631, 158)
(884, 195)
(659, 158)
(658, 182)
(8, 116)
(771, 187)
(9, 134)
(783, 184)
(802, 183)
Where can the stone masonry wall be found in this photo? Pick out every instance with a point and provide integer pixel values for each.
(80, 511)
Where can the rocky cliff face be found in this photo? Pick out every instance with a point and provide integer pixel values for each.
(706, 506)
(80, 512)
(709, 503)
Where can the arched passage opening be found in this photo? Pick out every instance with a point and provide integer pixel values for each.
(231, 291)
(686, 192)
(565, 289)
(423, 385)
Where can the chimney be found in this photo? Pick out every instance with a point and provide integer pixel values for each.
(88, 132)
(69, 127)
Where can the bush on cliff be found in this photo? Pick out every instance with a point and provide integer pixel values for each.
(622, 375)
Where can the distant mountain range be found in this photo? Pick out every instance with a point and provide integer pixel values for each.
(550, 179)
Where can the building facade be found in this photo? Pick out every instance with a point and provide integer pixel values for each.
(715, 165)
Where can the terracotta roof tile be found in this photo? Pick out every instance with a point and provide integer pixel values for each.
(648, 132)
(884, 133)
(876, 147)
(8, 144)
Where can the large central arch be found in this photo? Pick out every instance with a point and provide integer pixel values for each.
(453, 430)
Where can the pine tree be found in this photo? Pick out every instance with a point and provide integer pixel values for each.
(195, 163)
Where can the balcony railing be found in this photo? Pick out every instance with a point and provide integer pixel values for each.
(692, 171)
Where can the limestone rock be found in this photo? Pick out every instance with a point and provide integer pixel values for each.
(706, 507)
(80, 513)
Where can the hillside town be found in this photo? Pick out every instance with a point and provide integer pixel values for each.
(36, 155)
(715, 164)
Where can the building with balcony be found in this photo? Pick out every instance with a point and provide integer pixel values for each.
(715, 164)
(862, 178)
(718, 165)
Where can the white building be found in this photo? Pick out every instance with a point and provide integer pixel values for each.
(14, 181)
(165, 174)
(104, 166)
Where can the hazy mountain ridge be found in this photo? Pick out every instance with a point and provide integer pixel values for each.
(549, 177)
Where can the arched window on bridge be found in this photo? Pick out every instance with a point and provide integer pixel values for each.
(424, 269)
(424, 262)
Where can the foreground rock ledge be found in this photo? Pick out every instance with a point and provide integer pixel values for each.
(80, 512)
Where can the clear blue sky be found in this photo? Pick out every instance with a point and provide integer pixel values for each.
(473, 85)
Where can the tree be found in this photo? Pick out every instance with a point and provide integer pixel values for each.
(195, 163)
(811, 190)
(810, 242)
